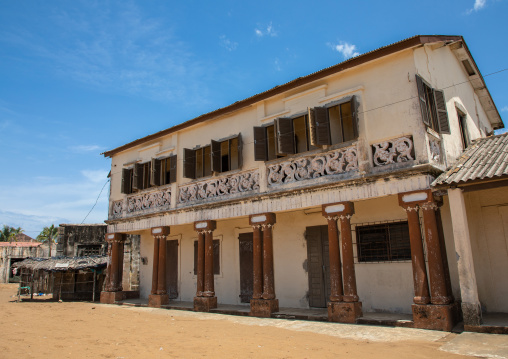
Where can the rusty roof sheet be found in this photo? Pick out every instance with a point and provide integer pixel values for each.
(486, 158)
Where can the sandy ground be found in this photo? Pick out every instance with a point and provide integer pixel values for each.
(45, 329)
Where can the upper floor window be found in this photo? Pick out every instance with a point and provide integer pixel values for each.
(220, 156)
(464, 133)
(320, 126)
(433, 107)
(156, 172)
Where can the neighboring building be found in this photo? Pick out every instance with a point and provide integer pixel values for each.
(310, 194)
(79, 240)
(475, 214)
(12, 252)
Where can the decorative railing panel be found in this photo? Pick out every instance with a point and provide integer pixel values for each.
(393, 151)
(219, 187)
(150, 201)
(330, 163)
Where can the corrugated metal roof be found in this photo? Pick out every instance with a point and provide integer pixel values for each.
(486, 158)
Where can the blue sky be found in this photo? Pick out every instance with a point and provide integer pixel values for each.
(81, 77)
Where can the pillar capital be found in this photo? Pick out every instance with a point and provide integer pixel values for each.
(338, 210)
(115, 237)
(415, 198)
(262, 219)
(205, 226)
(160, 231)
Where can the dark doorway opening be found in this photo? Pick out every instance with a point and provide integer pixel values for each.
(246, 267)
(318, 264)
(172, 268)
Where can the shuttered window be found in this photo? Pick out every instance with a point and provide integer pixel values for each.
(165, 171)
(126, 181)
(285, 136)
(432, 107)
(220, 156)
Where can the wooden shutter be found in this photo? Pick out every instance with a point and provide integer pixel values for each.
(260, 144)
(137, 178)
(172, 168)
(189, 163)
(442, 114)
(423, 100)
(216, 156)
(240, 150)
(319, 126)
(285, 135)
(126, 180)
(354, 112)
(155, 176)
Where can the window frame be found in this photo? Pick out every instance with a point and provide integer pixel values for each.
(463, 128)
(389, 256)
(433, 107)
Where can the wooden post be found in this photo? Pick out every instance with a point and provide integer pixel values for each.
(257, 263)
(205, 298)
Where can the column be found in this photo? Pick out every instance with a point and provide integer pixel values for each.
(257, 263)
(420, 282)
(113, 288)
(264, 301)
(438, 292)
(159, 296)
(471, 309)
(435, 312)
(209, 275)
(348, 262)
(344, 305)
(336, 293)
(155, 270)
(205, 298)
(200, 270)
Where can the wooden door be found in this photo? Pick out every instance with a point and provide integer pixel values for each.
(246, 260)
(172, 268)
(318, 265)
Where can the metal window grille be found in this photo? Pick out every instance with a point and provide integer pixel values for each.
(383, 242)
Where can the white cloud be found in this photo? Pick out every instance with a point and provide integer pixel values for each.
(95, 176)
(119, 50)
(505, 109)
(86, 148)
(478, 5)
(346, 49)
(277, 64)
(227, 44)
(267, 30)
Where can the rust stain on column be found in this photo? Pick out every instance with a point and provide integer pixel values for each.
(420, 281)
(201, 265)
(257, 265)
(161, 283)
(438, 292)
(268, 275)
(334, 253)
(155, 271)
(209, 280)
(114, 265)
(348, 262)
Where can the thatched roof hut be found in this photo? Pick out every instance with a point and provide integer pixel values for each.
(63, 264)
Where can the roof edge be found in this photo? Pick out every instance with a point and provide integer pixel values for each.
(300, 81)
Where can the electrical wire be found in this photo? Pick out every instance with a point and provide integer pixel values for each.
(97, 200)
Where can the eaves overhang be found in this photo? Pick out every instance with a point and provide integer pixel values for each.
(408, 43)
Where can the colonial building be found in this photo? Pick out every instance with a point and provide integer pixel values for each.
(315, 193)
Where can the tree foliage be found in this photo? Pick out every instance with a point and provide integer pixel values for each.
(48, 235)
(8, 233)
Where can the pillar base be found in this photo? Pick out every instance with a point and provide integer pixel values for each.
(111, 297)
(434, 317)
(342, 312)
(472, 314)
(204, 304)
(158, 300)
(263, 307)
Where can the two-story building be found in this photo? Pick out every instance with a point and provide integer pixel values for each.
(315, 193)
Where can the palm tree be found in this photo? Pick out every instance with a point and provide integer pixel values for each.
(8, 233)
(48, 235)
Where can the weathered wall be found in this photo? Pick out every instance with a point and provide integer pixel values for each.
(385, 286)
(6, 253)
(487, 213)
(70, 236)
